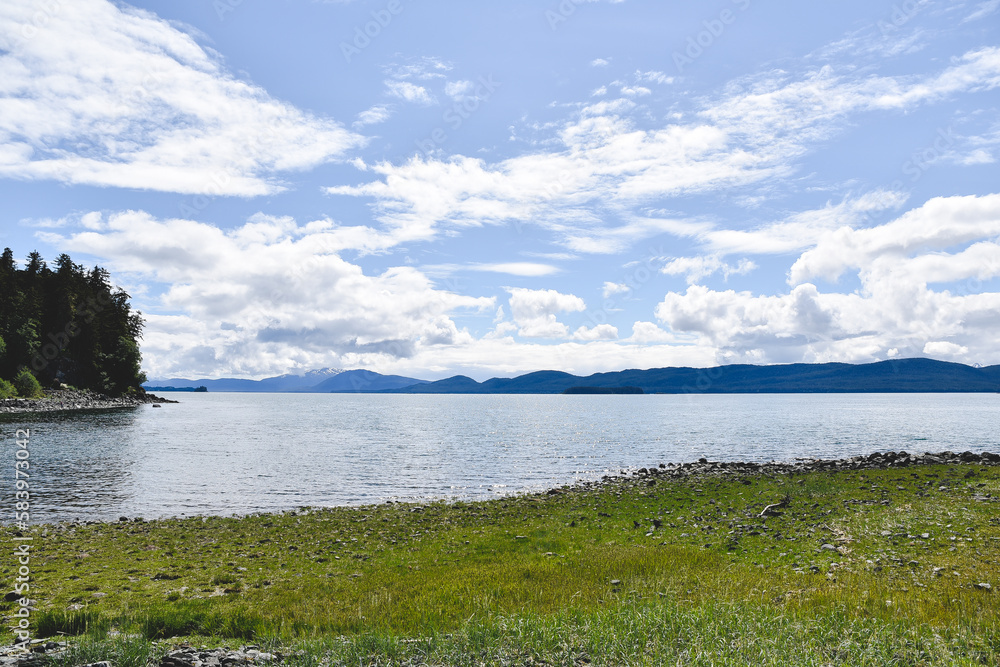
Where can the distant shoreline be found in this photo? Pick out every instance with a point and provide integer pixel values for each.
(903, 376)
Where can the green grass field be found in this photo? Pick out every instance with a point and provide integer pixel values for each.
(874, 567)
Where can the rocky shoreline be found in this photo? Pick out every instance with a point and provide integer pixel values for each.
(877, 460)
(44, 652)
(705, 468)
(60, 400)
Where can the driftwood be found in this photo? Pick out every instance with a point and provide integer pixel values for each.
(771, 511)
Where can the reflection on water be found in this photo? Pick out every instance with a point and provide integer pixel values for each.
(242, 453)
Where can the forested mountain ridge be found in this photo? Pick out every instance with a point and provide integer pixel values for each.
(68, 325)
(901, 375)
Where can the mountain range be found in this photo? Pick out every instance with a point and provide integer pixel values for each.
(903, 375)
(324, 381)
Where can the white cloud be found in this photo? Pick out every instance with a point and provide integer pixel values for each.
(409, 92)
(600, 62)
(590, 189)
(459, 90)
(873, 42)
(645, 333)
(246, 302)
(896, 309)
(978, 156)
(374, 115)
(524, 269)
(983, 9)
(941, 223)
(803, 229)
(597, 332)
(427, 68)
(945, 350)
(112, 96)
(610, 289)
(696, 269)
(634, 91)
(534, 311)
(654, 76)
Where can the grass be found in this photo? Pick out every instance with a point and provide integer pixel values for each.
(635, 571)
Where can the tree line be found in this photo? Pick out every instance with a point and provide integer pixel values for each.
(66, 325)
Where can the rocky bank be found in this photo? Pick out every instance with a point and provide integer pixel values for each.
(57, 400)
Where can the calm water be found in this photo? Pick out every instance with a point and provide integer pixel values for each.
(243, 453)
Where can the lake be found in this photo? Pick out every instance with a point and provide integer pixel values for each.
(224, 454)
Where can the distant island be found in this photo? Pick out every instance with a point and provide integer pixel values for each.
(603, 390)
(895, 376)
(200, 389)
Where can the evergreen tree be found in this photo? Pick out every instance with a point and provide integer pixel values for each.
(68, 325)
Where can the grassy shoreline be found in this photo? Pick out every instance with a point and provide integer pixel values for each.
(807, 565)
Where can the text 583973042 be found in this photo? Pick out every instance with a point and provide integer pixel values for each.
(22, 544)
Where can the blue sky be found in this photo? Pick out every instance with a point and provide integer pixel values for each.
(499, 187)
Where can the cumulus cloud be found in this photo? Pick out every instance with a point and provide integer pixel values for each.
(597, 332)
(647, 332)
(270, 295)
(535, 311)
(106, 95)
(940, 223)
(610, 289)
(944, 350)
(897, 309)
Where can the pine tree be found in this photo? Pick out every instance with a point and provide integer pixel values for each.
(68, 325)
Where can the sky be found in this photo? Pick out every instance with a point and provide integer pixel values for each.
(497, 187)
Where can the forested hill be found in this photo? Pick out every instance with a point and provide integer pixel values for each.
(66, 324)
(903, 375)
